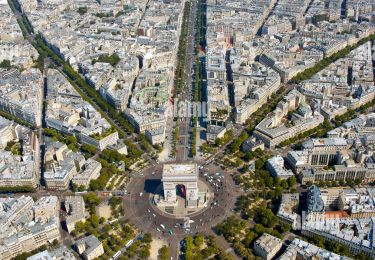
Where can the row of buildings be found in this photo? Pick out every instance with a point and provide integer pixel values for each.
(127, 54)
(63, 166)
(230, 62)
(268, 247)
(336, 158)
(19, 155)
(253, 48)
(69, 114)
(341, 215)
(345, 84)
(20, 161)
(338, 215)
(291, 117)
(13, 47)
(20, 94)
(26, 225)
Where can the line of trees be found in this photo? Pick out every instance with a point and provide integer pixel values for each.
(255, 118)
(308, 73)
(16, 189)
(336, 247)
(181, 55)
(23, 29)
(196, 99)
(322, 129)
(315, 132)
(88, 93)
(14, 5)
(175, 138)
(17, 120)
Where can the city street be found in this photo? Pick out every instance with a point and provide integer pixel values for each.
(185, 125)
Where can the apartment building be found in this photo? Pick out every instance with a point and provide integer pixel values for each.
(89, 247)
(75, 207)
(267, 246)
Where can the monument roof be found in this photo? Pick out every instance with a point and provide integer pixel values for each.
(180, 169)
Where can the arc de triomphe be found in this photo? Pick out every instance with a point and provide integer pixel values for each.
(185, 174)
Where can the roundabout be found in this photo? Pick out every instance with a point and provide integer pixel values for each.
(144, 213)
(181, 193)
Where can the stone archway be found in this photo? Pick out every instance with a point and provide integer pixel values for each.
(181, 190)
(185, 175)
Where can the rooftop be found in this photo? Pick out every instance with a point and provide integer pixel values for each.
(180, 169)
(267, 242)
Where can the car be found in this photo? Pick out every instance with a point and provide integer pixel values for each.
(115, 256)
(130, 242)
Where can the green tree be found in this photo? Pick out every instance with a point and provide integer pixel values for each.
(79, 227)
(292, 181)
(269, 182)
(74, 187)
(5, 64)
(164, 253)
(285, 227)
(146, 238)
(81, 188)
(82, 10)
(144, 252)
(89, 149)
(319, 241)
(198, 241)
(284, 184)
(94, 220)
(349, 182)
(265, 217)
